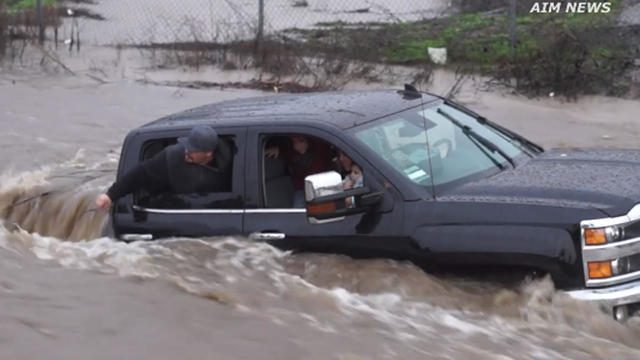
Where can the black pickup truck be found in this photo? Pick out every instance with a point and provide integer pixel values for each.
(440, 182)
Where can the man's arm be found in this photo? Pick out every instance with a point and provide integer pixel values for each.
(130, 182)
(149, 174)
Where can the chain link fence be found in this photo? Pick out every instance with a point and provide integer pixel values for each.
(110, 22)
(561, 52)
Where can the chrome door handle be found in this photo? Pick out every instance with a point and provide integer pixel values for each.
(267, 236)
(136, 237)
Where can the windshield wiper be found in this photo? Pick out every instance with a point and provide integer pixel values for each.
(471, 134)
(526, 143)
(510, 134)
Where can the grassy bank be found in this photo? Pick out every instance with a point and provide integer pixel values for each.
(20, 15)
(21, 5)
(569, 54)
(20, 24)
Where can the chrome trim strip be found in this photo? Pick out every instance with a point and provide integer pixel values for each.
(219, 211)
(628, 293)
(136, 237)
(268, 236)
(611, 251)
(314, 220)
(275, 211)
(632, 215)
(599, 223)
(188, 211)
(585, 267)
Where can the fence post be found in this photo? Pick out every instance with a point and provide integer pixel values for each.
(3, 26)
(40, 21)
(512, 30)
(260, 33)
(260, 20)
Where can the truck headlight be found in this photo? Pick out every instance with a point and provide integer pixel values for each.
(600, 269)
(615, 267)
(604, 235)
(622, 266)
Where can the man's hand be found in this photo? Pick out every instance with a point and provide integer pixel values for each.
(272, 152)
(103, 202)
(348, 184)
(348, 201)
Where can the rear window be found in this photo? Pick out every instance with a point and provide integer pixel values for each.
(223, 197)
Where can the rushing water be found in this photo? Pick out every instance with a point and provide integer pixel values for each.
(330, 306)
(66, 292)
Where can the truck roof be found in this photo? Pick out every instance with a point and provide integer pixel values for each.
(341, 109)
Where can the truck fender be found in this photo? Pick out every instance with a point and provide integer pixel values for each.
(551, 249)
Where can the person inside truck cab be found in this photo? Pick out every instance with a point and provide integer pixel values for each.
(351, 174)
(198, 163)
(353, 179)
(303, 156)
(342, 164)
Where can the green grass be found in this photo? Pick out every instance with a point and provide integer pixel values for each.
(412, 51)
(19, 5)
(467, 37)
(483, 39)
(546, 45)
(332, 23)
(565, 53)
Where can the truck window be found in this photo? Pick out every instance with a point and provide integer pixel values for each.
(220, 198)
(288, 158)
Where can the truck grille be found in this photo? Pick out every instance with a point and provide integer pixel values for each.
(620, 255)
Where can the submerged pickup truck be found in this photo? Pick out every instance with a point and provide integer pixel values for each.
(439, 182)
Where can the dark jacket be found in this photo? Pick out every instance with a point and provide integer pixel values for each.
(167, 171)
(315, 160)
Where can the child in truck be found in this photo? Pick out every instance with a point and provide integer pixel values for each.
(352, 181)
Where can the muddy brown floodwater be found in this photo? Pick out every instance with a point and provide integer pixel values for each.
(66, 293)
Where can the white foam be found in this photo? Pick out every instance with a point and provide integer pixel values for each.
(39, 177)
(77, 161)
(103, 254)
(315, 323)
(27, 179)
(463, 326)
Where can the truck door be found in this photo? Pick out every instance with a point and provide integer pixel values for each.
(272, 189)
(143, 216)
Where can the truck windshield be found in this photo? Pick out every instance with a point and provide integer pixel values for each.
(439, 145)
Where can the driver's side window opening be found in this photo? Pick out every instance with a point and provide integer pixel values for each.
(219, 194)
(288, 158)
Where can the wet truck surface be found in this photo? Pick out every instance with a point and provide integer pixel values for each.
(440, 184)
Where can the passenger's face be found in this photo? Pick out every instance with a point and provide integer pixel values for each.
(355, 173)
(345, 161)
(198, 157)
(300, 144)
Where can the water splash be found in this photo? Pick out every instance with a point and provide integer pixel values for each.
(384, 299)
(56, 200)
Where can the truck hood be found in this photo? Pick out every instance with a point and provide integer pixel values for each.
(608, 180)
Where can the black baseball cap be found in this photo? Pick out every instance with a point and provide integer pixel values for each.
(201, 138)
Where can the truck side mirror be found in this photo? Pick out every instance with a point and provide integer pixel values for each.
(326, 199)
(317, 188)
